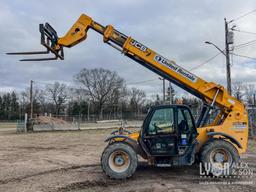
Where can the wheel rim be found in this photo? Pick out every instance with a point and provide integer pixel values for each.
(119, 161)
(219, 158)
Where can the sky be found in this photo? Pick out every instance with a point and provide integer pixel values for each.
(175, 29)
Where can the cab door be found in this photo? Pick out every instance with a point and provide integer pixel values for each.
(186, 126)
(160, 134)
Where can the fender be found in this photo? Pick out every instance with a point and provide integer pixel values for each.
(122, 137)
(133, 143)
(232, 139)
(116, 131)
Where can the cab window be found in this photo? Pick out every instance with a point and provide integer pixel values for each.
(162, 122)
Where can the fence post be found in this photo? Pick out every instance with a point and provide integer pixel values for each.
(25, 122)
(78, 122)
(251, 124)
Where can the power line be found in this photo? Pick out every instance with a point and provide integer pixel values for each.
(246, 43)
(245, 46)
(205, 62)
(241, 31)
(139, 82)
(40, 83)
(244, 15)
(193, 68)
(73, 87)
(244, 56)
(242, 45)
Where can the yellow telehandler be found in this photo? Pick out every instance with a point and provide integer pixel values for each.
(169, 136)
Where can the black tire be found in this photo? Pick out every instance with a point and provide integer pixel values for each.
(215, 146)
(114, 152)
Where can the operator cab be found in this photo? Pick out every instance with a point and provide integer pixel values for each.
(169, 130)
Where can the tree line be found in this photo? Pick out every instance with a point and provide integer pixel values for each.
(9, 106)
(98, 94)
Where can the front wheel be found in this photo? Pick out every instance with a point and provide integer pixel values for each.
(119, 161)
(219, 157)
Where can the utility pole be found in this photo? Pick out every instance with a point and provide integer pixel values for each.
(170, 94)
(164, 90)
(88, 111)
(163, 79)
(254, 100)
(79, 118)
(31, 99)
(228, 40)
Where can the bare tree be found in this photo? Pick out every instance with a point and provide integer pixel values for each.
(101, 85)
(25, 95)
(237, 90)
(41, 97)
(137, 98)
(57, 93)
(155, 98)
(24, 100)
(250, 92)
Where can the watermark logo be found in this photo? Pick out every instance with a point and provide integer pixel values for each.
(207, 169)
(237, 170)
(224, 174)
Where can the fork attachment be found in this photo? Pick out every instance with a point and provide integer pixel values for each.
(49, 39)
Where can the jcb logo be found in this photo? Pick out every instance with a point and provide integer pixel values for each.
(138, 45)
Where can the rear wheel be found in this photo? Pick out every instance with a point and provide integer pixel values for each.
(119, 161)
(219, 157)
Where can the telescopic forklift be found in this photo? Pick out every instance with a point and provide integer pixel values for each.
(169, 135)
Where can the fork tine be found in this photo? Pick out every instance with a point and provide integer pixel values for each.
(40, 59)
(29, 53)
(49, 39)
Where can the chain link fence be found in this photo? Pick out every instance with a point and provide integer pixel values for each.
(252, 121)
(78, 122)
(18, 125)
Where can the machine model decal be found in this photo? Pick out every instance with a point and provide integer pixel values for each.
(171, 65)
(138, 45)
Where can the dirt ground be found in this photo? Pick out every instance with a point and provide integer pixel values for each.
(70, 161)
